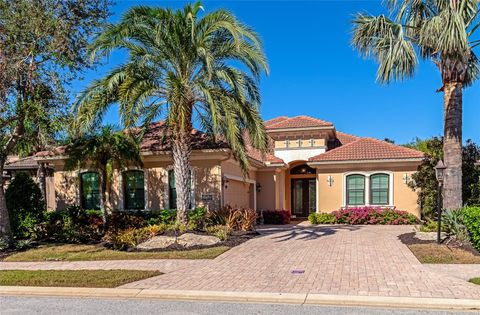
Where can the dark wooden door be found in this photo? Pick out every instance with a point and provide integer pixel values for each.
(303, 196)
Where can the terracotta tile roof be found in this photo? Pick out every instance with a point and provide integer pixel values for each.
(257, 154)
(22, 163)
(367, 149)
(154, 139)
(295, 122)
(342, 139)
(274, 120)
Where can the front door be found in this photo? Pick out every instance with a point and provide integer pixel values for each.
(303, 196)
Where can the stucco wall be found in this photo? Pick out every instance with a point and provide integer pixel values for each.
(266, 197)
(237, 194)
(331, 198)
(207, 185)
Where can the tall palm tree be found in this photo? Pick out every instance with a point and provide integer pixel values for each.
(442, 31)
(184, 68)
(102, 151)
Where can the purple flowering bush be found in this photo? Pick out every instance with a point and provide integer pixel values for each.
(374, 215)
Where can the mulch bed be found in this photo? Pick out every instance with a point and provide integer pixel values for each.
(410, 239)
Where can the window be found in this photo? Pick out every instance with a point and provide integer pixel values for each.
(355, 190)
(302, 169)
(379, 189)
(134, 190)
(90, 190)
(172, 191)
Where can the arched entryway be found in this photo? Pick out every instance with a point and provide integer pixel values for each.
(302, 184)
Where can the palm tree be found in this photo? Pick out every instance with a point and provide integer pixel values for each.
(102, 151)
(186, 69)
(438, 30)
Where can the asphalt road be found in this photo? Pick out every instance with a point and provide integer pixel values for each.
(55, 305)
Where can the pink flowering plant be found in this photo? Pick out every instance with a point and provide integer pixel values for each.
(374, 215)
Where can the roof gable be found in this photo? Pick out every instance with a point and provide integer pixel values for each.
(295, 122)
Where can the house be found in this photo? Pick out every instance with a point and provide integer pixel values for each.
(310, 167)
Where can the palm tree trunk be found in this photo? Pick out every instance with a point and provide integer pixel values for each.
(181, 149)
(452, 145)
(5, 229)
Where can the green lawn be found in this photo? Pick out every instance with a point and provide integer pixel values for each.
(475, 280)
(73, 252)
(73, 278)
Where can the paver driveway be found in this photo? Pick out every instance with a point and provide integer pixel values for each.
(353, 260)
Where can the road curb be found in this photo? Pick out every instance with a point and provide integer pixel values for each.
(251, 297)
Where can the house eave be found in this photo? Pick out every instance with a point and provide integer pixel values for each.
(315, 163)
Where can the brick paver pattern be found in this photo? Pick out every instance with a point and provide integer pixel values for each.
(346, 260)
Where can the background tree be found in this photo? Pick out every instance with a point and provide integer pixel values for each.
(103, 151)
(425, 182)
(438, 30)
(184, 68)
(42, 46)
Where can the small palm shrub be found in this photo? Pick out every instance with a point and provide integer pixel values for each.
(453, 223)
(220, 231)
(471, 218)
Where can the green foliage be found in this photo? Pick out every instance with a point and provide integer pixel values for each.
(322, 218)
(430, 226)
(471, 218)
(443, 31)
(453, 223)
(125, 239)
(220, 231)
(196, 218)
(25, 206)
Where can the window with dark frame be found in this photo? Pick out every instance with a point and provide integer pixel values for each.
(134, 190)
(379, 189)
(172, 191)
(355, 190)
(90, 197)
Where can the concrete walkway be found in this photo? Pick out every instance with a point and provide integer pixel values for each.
(333, 260)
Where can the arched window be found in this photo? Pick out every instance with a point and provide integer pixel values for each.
(90, 190)
(302, 169)
(355, 190)
(379, 189)
(134, 190)
(172, 191)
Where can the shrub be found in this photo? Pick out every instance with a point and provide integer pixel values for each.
(276, 217)
(25, 206)
(247, 219)
(218, 217)
(196, 218)
(124, 220)
(471, 218)
(453, 224)
(220, 231)
(322, 218)
(4, 244)
(374, 215)
(128, 238)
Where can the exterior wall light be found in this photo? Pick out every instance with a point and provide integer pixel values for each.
(258, 187)
(225, 181)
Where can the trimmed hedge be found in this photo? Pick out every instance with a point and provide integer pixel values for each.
(374, 215)
(471, 218)
(322, 218)
(276, 217)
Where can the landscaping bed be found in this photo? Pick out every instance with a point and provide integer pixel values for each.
(73, 278)
(449, 252)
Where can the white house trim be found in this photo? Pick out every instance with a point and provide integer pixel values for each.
(367, 175)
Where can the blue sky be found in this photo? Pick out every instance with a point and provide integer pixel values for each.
(315, 71)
